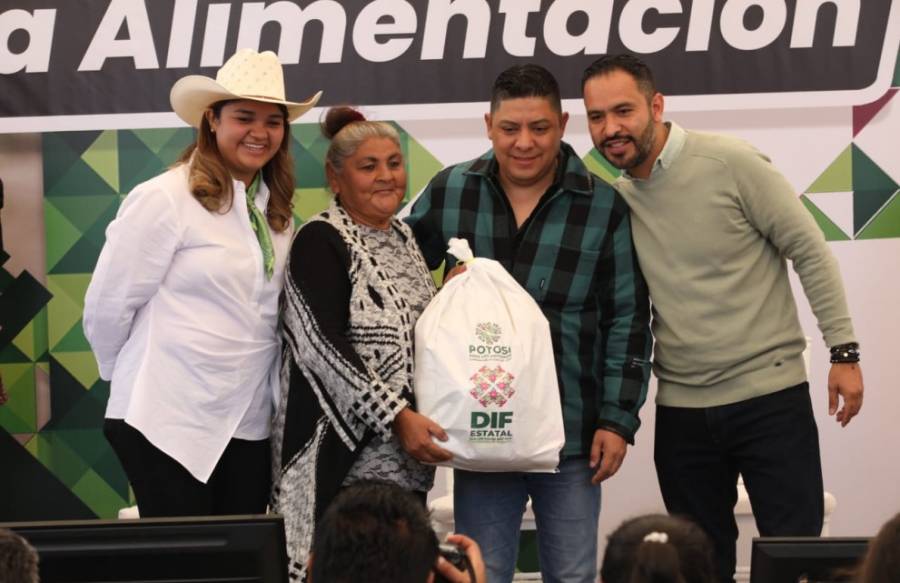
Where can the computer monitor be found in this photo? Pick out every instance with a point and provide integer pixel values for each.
(811, 559)
(233, 549)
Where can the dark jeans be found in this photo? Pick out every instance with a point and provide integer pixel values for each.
(239, 484)
(772, 441)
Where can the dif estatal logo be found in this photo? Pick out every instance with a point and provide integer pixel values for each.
(492, 386)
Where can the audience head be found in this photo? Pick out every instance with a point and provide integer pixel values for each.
(659, 549)
(375, 532)
(18, 559)
(882, 562)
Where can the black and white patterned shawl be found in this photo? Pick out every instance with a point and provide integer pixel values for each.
(348, 406)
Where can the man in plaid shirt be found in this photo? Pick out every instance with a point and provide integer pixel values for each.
(565, 236)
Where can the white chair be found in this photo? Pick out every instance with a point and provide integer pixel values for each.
(743, 513)
(129, 513)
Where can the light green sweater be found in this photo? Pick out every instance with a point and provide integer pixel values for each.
(713, 226)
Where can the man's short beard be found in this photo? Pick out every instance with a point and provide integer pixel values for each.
(642, 145)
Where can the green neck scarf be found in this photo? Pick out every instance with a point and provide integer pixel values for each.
(261, 228)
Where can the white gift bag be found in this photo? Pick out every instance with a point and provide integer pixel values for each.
(485, 371)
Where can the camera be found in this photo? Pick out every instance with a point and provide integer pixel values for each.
(455, 557)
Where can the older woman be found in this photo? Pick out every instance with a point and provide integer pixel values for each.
(182, 309)
(355, 286)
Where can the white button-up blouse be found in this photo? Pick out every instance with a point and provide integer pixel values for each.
(183, 321)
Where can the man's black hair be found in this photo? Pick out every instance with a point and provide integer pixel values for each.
(630, 64)
(526, 81)
(374, 532)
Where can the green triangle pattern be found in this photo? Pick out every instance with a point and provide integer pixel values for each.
(81, 258)
(421, 167)
(81, 365)
(103, 156)
(97, 233)
(89, 444)
(18, 415)
(896, 82)
(867, 204)
(61, 233)
(309, 201)
(79, 180)
(309, 172)
(67, 304)
(83, 211)
(108, 467)
(56, 455)
(838, 177)
(73, 341)
(886, 224)
(157, 140)
(597, 164)
(137, 163)
(310, 137)
(41, 341)
(97, 494)
(9, 354)
(831, 231)
(14, 372)
(166, 144)
(24, 341)
(867, 175)
(60, 151)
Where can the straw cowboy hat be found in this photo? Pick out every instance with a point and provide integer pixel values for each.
(246, 75)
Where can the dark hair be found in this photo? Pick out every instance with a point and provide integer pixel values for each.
(632, 556)
(632, 65)
(18, 559)
(882, 562)
(526, 81)
(347, 129)
(375, 532)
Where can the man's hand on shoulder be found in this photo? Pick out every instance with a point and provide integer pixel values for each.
(845, 380)
(607, 453)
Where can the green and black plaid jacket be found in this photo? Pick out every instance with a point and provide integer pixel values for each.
(574, 255)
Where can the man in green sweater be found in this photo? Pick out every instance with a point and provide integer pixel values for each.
(713, 223)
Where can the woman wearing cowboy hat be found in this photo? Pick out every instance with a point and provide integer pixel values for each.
(182, 309)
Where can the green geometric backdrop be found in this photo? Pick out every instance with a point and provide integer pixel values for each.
(61, 466)
(86, 176)
(854, 197)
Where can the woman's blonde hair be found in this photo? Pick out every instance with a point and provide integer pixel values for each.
(211, 183)
(347, 129)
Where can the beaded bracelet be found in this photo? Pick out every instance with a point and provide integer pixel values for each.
(845, 353)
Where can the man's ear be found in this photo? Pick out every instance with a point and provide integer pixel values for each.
(429, 580)
(657, 106)
(309, 563)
